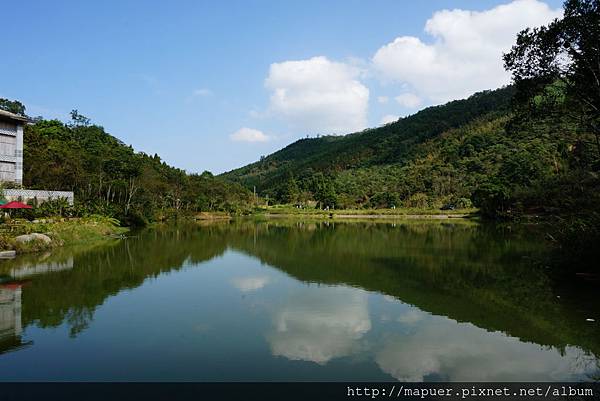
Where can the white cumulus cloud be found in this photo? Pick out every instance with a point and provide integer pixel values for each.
(409, 100)
(464, 55)
(388, 118)
(461, 352)
(320, 324)
(248, 135)
(248, 284)
(318, 95)
(382, 99)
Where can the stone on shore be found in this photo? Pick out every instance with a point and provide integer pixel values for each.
(33, 237)
(7, 254)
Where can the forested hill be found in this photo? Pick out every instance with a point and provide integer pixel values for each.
(366, 152)
(110, 178)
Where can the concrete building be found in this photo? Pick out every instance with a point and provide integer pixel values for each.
(11, 162)
(10, 310)
(10, 318)
(11, 147)
(28, 269)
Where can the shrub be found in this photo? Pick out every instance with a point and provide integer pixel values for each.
(418, 200)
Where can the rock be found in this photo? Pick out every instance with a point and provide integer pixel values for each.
(7, 254)
(33, 237)
(23, 238)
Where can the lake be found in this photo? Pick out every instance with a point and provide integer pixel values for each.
(298, 300)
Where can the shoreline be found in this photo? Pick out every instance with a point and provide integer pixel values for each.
(351, 216)
(77, 231)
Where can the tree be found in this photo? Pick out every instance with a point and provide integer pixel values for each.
(492, 198)
(325, 193)
(79, 120)
(568, 51)
(383, 199)
(289, 191)
(12, 106)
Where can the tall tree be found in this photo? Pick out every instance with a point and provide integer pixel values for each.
(567, 51)
(289, 191)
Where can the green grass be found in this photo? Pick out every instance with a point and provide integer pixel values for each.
(62, 232)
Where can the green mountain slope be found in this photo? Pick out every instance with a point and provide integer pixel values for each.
(505, 158)
(364, 165)
(388, 144)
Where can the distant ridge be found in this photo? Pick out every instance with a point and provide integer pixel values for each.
(390, 145)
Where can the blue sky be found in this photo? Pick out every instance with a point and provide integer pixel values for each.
(215, 85)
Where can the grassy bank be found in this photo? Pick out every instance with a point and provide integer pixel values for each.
(212, 216)
(61, 231)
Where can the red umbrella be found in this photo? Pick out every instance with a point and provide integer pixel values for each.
(15, 205)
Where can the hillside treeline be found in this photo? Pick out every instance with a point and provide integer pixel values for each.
(110, 178)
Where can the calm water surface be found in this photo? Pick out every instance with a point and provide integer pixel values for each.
(297, 301)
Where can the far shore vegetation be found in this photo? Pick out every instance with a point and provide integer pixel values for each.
(293, 210)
